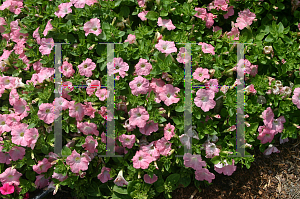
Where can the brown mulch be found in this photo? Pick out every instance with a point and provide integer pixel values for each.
(274, 176)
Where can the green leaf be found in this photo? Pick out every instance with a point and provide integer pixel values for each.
(287, 39)
(215, 160)
(159, 185)
(45, 149)
(124, 11)
(32, 125)
(117, 3)
(120, 190)
(185, 181)
(297, 14)
(151, 15)
(132, 186)
(66, 151)
(280, 27)
(179, 107)
(269, 38)
(173, 178)
(30, 175)
(167, 164)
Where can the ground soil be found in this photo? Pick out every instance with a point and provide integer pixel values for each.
(274, 176)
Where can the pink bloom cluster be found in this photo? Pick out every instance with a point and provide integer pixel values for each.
(166, 23)
(195, 162)
(225, 168)
(207, 17)
(271, 126)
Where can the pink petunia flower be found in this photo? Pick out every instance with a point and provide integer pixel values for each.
(229, 13)
(226, 169)
(86, 67)
(163, 146)
(36, 35)
(211, 150)
(78, 3)
(139, 85)
(47, 45)
(92, 26)
(48, 27)
(205, 100)
(268, 117)
(64, 9)
(200, 74)
(169, 131)
(41, 182)
(67, 69)
(271, 149)
(296, 97)
(142, 15)
(76, 110)
(250, 89)
(77, 162)
(207, 48)
(90, 144)
(157, 85)
(46, 113)
(117, 66)
(245, 19)
(102, 94)
(2, 23)
(265, 134)
(59, 176)
(10, 176)
(7, 189)
(127, 140)
(31, 136)
(92, 86)
(168, 94)
(42, 166)
(4, 124)
(166, 47)
(5, 158)
(120, 180)
(201, 13)
(143, 67)
(141, 160)
(212, 85)
(104, 176)
(87, 128)
(130, 39)
(17, 153)
(182, 57)
(204, 174)
(151, 150)
(18, 134)
(165, 23)
(210, 20)
(138, 117)
(141, 3)
(149, 180)
(193, 161)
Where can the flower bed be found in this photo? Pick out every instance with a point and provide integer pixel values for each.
(161, 137)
